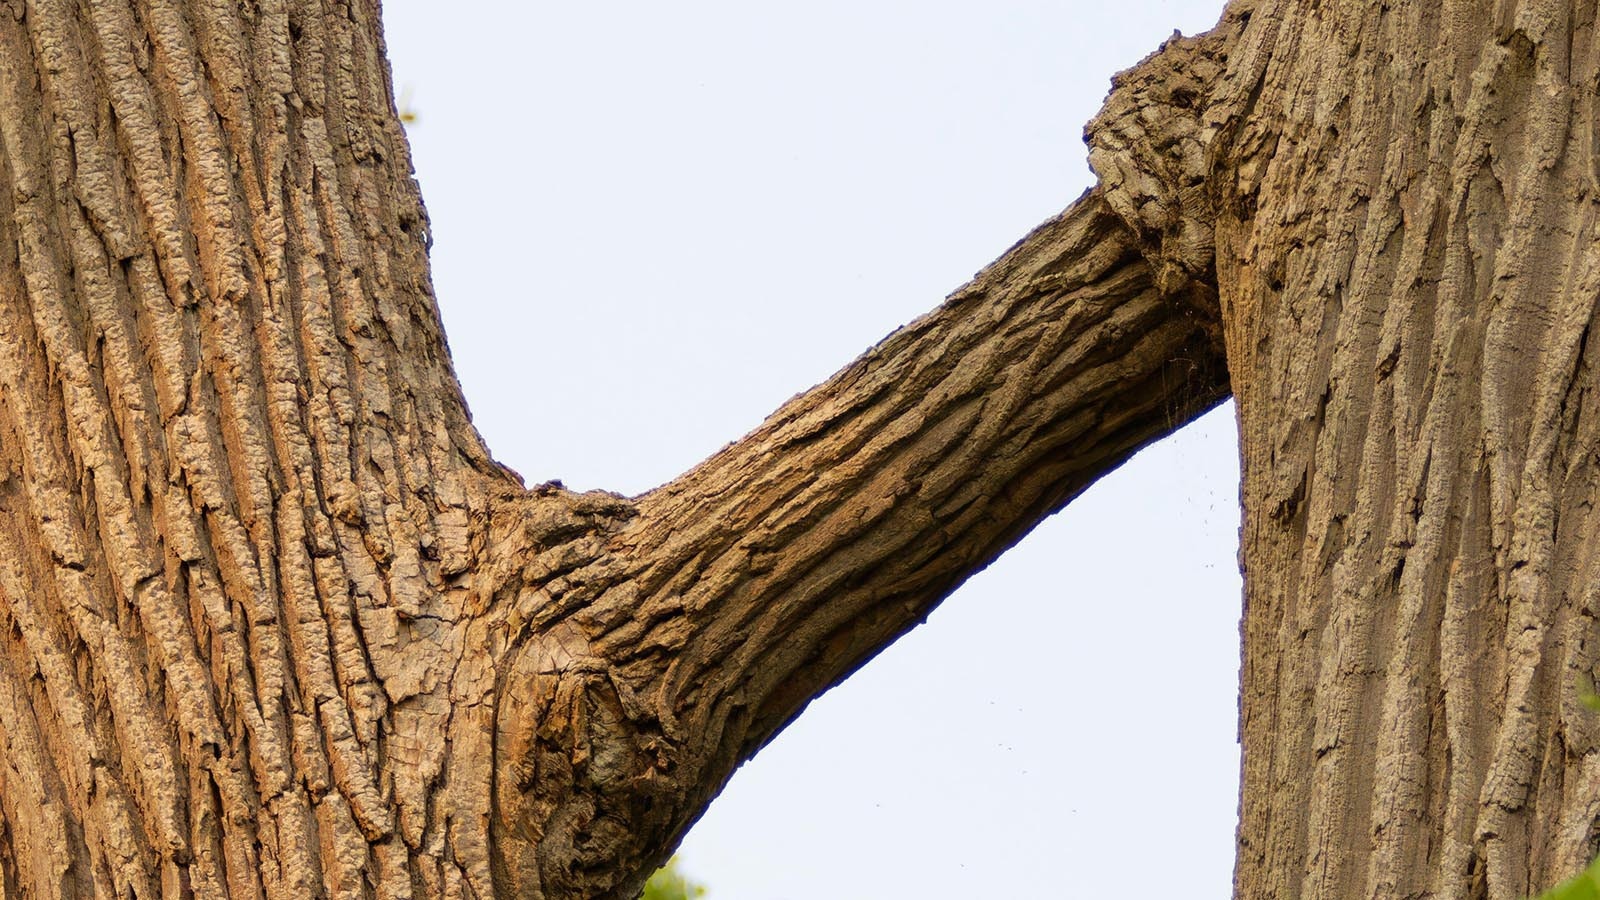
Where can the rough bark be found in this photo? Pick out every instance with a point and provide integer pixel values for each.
(272, 622)
(1402, 201)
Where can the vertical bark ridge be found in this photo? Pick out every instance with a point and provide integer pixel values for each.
(1408, 266)
(216, 320)
(32, 820)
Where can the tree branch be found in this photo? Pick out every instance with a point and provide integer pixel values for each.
(727, 599)
(806, 547)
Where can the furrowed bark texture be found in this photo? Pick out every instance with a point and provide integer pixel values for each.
(237, 482)
(273, 624)
(1405, 198)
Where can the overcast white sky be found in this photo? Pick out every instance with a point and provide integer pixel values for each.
(655, 222)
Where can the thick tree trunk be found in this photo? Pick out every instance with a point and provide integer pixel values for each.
(272, 623)
(1403, 200)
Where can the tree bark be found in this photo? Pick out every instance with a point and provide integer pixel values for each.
(1403, 208)
(274, 624)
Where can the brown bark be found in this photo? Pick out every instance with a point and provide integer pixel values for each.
(1403, 202)
(273, 624)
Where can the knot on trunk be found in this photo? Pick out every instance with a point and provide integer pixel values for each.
(1152, 147)
(586, 794)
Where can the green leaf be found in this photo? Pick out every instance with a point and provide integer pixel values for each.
(1583, 886)
(670, 884)
(1586, 692)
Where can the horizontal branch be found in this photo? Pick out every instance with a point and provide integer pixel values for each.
(655, 644)
(775, 568)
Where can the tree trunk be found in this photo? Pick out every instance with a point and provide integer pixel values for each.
(1403, 205)
(272, 622)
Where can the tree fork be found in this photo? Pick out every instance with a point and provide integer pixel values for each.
(275, 624)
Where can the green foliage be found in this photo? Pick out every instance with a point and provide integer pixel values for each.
(670, 884)
(1585, 886)
(1586, 693)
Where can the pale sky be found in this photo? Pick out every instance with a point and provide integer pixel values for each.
(654, 222)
